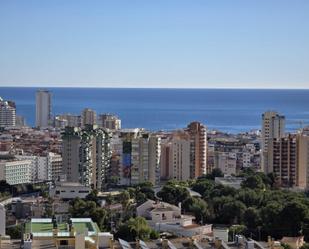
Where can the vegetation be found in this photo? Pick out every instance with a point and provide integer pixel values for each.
(14, 232)
(136, 228)
(16, 190)
(258, 207)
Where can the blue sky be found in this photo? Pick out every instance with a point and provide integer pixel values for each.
(158, 43)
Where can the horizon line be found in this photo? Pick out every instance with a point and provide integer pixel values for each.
(154, 87)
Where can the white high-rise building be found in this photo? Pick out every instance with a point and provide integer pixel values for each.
(43, 108)
(7, 113)
(273, 126)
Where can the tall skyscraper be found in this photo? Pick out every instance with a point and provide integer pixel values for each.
(282, 160)
(198, 151)
(89, 117)
(43, 109)
(7, 113)
(86, 155)
(273, 126)
(303, 158)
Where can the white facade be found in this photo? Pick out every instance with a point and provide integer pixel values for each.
(44, 168)
(69, 190)
(39, 167)
(2, 220)
(154, 159)
(54, 166)
(43, 109)
(165, 217)
(15, 172)
(7, 114)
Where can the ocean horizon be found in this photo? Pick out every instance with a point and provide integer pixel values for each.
(228, 110)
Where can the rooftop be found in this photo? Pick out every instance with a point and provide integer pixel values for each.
(44, 227)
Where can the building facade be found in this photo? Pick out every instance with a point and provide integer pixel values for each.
(175, 157)
(7, 113)
(303, 158)
(273, 127)
(198, 150)
(89, 117)
(87, 155)
(2, 220)
(43, 109)
(140, 157)
(15, 171)
(283, 160)
(109, 121)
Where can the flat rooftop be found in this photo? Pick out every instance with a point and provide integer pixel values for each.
(44, 227)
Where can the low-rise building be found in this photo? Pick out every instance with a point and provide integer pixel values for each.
(230, 181)
(69, 190)
(165, 217)
(79, 233)
(15, 171)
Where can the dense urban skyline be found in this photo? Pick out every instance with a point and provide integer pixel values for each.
(198, 44)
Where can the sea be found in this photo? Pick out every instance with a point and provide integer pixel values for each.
(228, 110)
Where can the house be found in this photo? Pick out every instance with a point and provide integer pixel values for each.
(165, 217)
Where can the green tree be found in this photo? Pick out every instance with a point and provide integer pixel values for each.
(200, 210)
(253, 182)
(85, 209)
(173, 194)
(125, 199)
(135, 228)
(203, 186)
(232, 212)
(14, 232)
(216, 172)
(251, 218)
(292, 217)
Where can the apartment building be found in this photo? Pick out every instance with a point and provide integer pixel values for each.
(86, 155)
(109, 121)
(43, 109)
(175, 156)
(15, 171)
(88, 117)
(283, 160)
(273, 127)
(140, 157)
(198, 149)
(7, 113)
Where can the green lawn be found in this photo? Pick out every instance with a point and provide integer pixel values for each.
(62, 227)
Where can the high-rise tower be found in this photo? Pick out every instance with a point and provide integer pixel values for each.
(43, 109)
(273, 127)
